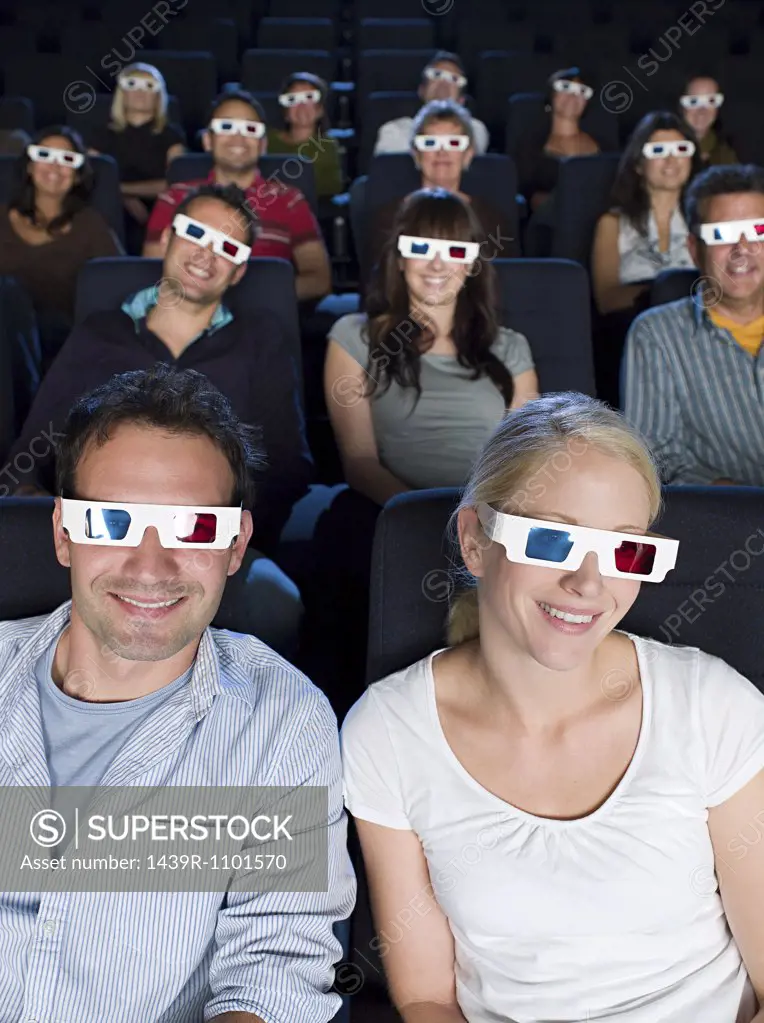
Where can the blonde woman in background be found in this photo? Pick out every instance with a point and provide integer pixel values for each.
(140, 139)
(539, 800)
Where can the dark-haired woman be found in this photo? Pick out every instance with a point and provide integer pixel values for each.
(302, 98)
(643, 233)
(700, 103)
(434, 372)
(48, 231)
(413, 390)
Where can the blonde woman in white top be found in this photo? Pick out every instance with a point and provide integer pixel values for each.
(550, 809)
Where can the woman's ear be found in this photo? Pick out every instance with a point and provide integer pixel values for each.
(472, 541)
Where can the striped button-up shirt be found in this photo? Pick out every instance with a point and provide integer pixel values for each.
(696, 396)
(246, 717)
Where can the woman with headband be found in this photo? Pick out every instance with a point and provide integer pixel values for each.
(643, 233)
(302, 99)
(700, 103)
(49, 230)
(142, 141)
(550, 807)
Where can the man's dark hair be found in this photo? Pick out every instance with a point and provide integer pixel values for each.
(445, 55)
(721, 180)
(234, 198)
(241, 96)
(178, 401)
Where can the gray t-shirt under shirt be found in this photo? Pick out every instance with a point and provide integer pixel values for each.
(82, 739)
(436, 444)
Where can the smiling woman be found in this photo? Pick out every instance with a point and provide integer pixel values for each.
(524, 788)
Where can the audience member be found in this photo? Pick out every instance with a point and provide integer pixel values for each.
(700, 103)
(694, 374)
(413, 389)
(141, 140)
(49, 230)
(442, 146)
(185, 323)
(556, 138)
(443, 78)
(128, 684)
(432, 372)
(538, 161)
(302, 97)
(643, 233)
(288, 229)
(586, 814)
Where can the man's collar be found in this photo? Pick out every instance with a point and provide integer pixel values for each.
(205, 677)
(139, 305)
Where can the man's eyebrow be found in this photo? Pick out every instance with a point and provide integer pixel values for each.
(570, 521)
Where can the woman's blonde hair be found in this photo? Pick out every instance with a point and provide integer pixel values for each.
(532, 444)
(118, 121)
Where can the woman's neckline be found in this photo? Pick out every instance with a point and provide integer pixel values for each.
(513, 811)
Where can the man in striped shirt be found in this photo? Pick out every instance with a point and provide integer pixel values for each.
(694, 369)
(126, 685)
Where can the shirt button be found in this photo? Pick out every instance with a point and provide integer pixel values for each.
(49, 928)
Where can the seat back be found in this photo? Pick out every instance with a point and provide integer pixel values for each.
(559, 332)
(268, 284)
(193, 78)
(527, 122)
(295, 171)
(106, 197)
(581, 197)
(379, 108)
(264, 70)
(713, 599)
(16, 113)
(671, 285)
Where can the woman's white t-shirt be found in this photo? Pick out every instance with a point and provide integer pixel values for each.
(614, 916)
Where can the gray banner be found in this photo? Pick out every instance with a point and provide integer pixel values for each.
(164, 839)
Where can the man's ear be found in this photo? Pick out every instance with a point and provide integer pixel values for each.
(164, 238)
(263, 145)
(206, 141)
(472, 541)
(241, 542)
(60, 538)
(238, 273)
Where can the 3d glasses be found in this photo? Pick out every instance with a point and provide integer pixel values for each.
(236, 126)
(560, 545)
(50, 154)
(662, 150)
(730, 231)
(139, 83)
(116, 524)
(574, 88)
(449, 143)
(436, 74)
(293, 99)
(200, 234)
(411, 247)
(710, 99)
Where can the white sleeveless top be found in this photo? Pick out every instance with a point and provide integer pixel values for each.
(640, 256)
(614, 916)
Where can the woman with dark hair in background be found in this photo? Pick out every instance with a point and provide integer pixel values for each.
(643, 233)
(302, 98)
(538, 162)
(142, 141)
(413, 390)
(49, 230)
(700, 103)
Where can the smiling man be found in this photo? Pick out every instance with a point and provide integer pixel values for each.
(128, 685)
(187, 324)
(694, 370)
(236, 138)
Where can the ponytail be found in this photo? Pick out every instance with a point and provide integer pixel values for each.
(463, 618)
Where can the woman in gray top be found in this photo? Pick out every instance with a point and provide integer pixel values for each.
(415, 387)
